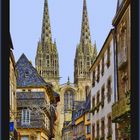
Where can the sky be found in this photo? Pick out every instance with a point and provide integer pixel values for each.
(65, 19)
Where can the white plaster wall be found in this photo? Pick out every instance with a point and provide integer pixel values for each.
(107, 109)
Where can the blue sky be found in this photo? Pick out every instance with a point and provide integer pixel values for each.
(65, 17)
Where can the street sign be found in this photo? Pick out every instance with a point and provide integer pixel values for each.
(11, 126)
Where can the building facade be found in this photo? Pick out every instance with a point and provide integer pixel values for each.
(121, 108)
(103, 91)
(12, 95)
(36, 103)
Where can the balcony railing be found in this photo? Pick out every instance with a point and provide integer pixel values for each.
(122, 58)
(120, 109)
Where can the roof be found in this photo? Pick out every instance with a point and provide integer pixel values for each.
(119, 3)
(87, 104)
(109, 34)
(79, 111)
(10, 41)
(56, 96)
(28, 75)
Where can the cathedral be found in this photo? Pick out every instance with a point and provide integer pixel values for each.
(47, 65)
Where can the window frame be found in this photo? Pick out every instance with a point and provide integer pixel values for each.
(26, 116)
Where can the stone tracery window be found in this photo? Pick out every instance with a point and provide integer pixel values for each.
(68, 100)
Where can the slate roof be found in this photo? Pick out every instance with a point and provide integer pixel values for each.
(27, 75)
(56, 96)
(78, 112)
(81, 108)
(87, 104)
(119, 4)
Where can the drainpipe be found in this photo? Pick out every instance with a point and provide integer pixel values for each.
(115, 73)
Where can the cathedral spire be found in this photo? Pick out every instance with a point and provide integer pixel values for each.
(46, 28)
(47, 60)
(85, 32)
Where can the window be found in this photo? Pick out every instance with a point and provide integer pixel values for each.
(26, 73)
(24, 138)
(102, 66)
(93, 131)
(98, 131)
(108, 57)
(98, 97)
(68, 100)
(126, 86)
(103, 95)
(88, 129)
(25, 120)
(109, 126)
(88, 116)
(47, 124)
(109, 90)
(48, 63)
(93, 102)
(98, 73)
(93, 79)
(103, 128)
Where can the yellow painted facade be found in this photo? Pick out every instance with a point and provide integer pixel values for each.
(86, 123)
(79, 120)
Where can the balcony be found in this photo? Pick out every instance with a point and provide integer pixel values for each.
(121, 108)
(122, 58)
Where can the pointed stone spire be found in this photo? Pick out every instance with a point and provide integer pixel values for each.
(47, 61)
(84, 52)
(85, 32)
(68, 82)
(46, 28)
(95, 50)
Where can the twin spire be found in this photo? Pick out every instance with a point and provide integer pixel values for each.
(47, 60)
(46, 27)
(85, 32)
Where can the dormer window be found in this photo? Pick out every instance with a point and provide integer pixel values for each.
(27, 74)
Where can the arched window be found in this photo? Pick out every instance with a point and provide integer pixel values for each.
(68, 100)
